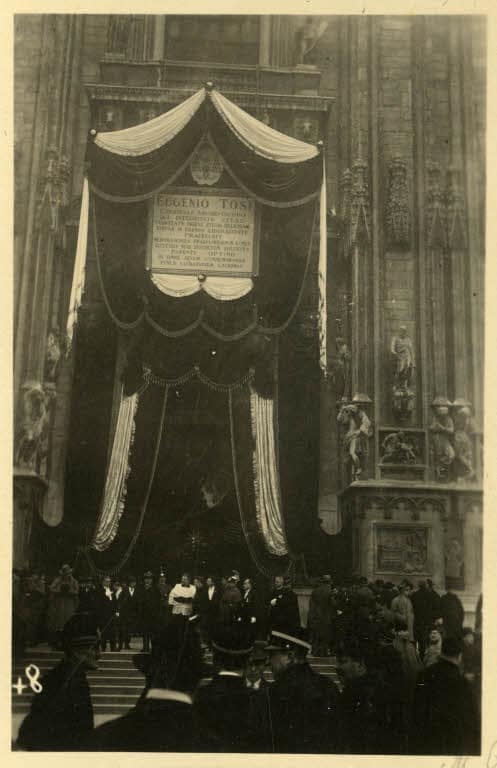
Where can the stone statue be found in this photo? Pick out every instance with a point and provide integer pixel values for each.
(118, 33)
(307, 36)
(442, 433)
(33, 439)
(463, 444)
(52, 355)
(402, 349)
(357, 432)
(398, 448)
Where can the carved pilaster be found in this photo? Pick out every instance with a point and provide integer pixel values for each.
(398, 214)
(359, 204)
(436, 215)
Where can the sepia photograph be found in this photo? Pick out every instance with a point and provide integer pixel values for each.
(248, 357)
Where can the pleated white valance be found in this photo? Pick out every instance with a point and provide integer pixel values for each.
(220, 288)
(146, 137)
(263, 140)
(117, 474)
(266, 474)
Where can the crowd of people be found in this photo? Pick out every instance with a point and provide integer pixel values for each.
(409, 670)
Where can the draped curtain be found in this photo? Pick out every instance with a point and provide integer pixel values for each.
(183, 331)
(128, 490)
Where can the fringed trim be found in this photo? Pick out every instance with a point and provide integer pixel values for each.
(263, 515)
(195, 372)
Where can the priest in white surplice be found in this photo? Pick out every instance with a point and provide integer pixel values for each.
(181, 596)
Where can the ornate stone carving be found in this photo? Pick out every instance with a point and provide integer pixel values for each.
(442, 433)
(436, 214)
(53, 185)
(118, 34)
(356, 433)
(399, 448)
(398, 215)
(32, 445)
(52, 355)
(456, 210)
(403, 392)
(359, 204)
(464, 429)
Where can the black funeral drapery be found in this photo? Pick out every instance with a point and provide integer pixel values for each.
(128, 178)
(119, 235)
(162, 491)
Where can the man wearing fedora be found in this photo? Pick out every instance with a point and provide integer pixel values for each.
(61, 715)
(284, 614)
(302, 702)
(63, 602)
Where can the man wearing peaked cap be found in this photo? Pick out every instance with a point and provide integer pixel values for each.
(302, 702)
(224, 706)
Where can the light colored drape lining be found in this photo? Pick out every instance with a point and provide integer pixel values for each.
(322, 276)
(147, 137)
(221, 288)
(78, 279)
(117, 474)
(262, 139)
(266, 474)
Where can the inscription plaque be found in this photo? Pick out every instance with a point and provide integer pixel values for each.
(402, 549)
(208, 234)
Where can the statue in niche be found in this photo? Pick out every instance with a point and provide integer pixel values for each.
(398, 448)
(442, 433)
(118, 34)
(307, 37)
(52, 355)
(32, 446)
(402, 349)
(357, 431)
(342, 373)
(464, 428)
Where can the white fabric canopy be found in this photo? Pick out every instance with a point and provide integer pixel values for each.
(265, 141)
(117, 474)
(146, 137)
(78, 279)
(266, 474)
(221, 288)
(262, 139)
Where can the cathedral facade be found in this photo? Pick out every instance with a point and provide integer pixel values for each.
(394, 449)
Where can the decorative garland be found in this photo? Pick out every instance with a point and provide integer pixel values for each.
(195, 372)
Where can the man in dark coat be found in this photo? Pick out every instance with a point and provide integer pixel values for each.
(148, 610)
(105, 611)
(445, 717)
(129, 610)
(302, 703)
(452, 613)
(208, 607)
(321, 611)
(163, 720)
(363, 718)
(61, 716)
(224, 705)
(423, 619)
(284, 614)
